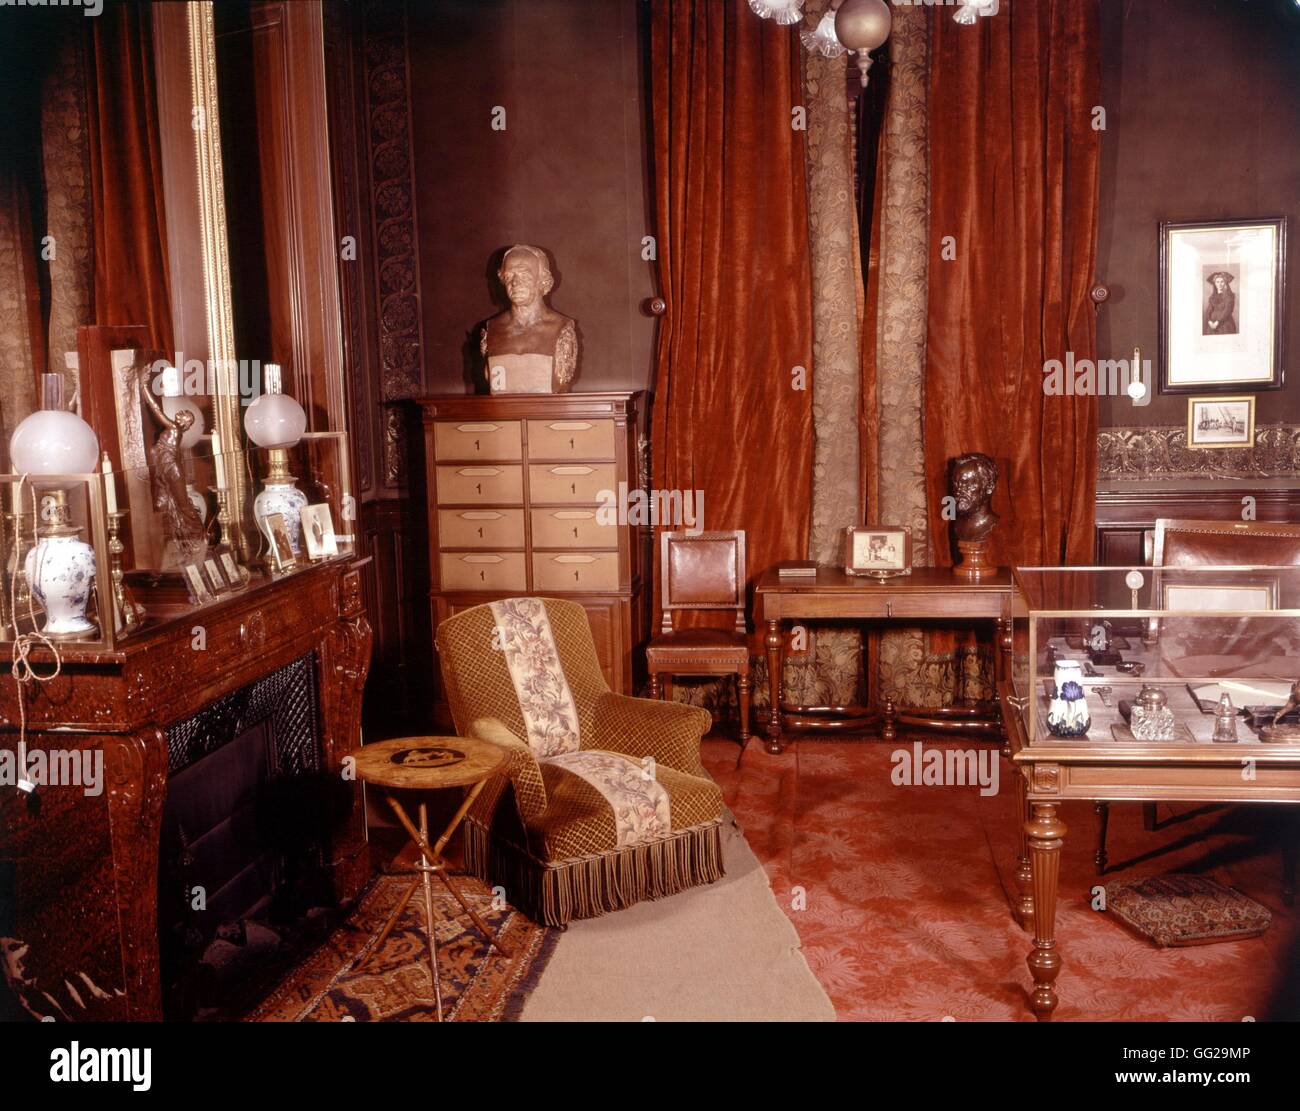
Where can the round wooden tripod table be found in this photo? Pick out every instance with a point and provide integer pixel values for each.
(430, 764)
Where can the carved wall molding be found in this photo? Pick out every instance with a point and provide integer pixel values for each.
(393, 220)
(1162, 453)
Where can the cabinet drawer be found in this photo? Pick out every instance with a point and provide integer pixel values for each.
(572, 528)
(480, 485)
(481, 528)
(477, 440)
(483, 571)
(570, 482)
(564, 571)
(571, 439)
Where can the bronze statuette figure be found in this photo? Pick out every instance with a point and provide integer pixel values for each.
(972, 480)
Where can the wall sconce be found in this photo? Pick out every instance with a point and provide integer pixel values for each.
(970, 11)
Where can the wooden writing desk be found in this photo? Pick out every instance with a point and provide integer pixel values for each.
(928, 593)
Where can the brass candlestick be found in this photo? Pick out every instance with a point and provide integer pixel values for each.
(128, 612)
(223, 517)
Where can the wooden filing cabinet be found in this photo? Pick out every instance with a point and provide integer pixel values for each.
(514, 485)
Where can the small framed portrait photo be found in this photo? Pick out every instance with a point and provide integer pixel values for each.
(1217, 422)
(318, 532)
(878, 551)
(281, 549)
(200, 593)
(215, 576)
(1222, 290)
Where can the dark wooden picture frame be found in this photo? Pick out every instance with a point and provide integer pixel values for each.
(1277, 372)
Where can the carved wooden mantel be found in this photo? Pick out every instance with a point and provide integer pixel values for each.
(85, 869)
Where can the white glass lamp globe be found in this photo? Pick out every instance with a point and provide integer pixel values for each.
(53, 441)
(173, 405)
(275, 420)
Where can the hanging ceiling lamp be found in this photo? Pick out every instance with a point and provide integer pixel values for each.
(784, 12)
(862, 26)
(971, 10)
(822, 40)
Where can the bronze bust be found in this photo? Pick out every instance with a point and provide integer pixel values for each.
(529, 348)
(972, 479)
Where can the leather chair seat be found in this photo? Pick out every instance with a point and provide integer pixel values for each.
(694, 640)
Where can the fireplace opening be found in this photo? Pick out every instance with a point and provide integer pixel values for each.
(243, 883)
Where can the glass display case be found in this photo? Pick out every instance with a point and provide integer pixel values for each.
(87, 560)
(1143, 657)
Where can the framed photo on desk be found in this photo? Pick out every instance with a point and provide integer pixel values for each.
(878, 551)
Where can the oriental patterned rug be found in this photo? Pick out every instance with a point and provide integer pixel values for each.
(348, 979)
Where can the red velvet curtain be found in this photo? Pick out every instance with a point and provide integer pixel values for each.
(733, 258)
(131, 281)
(1014, 180)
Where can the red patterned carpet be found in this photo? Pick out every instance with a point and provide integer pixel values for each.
(907, 913)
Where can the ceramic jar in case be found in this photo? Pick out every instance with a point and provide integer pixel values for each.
(61, 574)
(1067, 714)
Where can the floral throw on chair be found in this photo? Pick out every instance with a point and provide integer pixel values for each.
(604, 801)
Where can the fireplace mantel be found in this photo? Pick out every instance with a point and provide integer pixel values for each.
(80, 934)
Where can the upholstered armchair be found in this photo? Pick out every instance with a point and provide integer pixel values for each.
(604, 802)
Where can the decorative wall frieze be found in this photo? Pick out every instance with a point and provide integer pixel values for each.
(393, 219)
(1162, 453)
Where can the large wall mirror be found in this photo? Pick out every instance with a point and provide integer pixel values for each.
(165, 202)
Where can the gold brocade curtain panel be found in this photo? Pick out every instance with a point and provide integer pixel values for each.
(1014, 180)
(733, 380)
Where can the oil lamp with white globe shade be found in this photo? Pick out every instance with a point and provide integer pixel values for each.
(60, 569)
(276, 422)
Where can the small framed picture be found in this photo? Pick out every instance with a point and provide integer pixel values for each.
(195, 584)
(1222, 294)
(877, 551)
(281, 549)
(235, 574)
(1216, 422)
(216, 578)
(318, 532)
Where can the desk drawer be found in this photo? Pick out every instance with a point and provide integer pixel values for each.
(477, 440)
(481, 528)
(483, 571)
(570, 482)
(565, 571)
(572, 528)
(480, 485)
(571, 439)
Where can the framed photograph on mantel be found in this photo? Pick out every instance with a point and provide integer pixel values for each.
(1222, 305)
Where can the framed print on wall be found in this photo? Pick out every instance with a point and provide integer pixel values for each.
(1222, 305)
(1214, 422)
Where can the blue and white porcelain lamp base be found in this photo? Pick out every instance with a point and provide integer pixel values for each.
(60, 572)
(280, 495)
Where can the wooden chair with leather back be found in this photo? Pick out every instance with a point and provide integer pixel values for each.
(704, 571)
(1180, 542)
